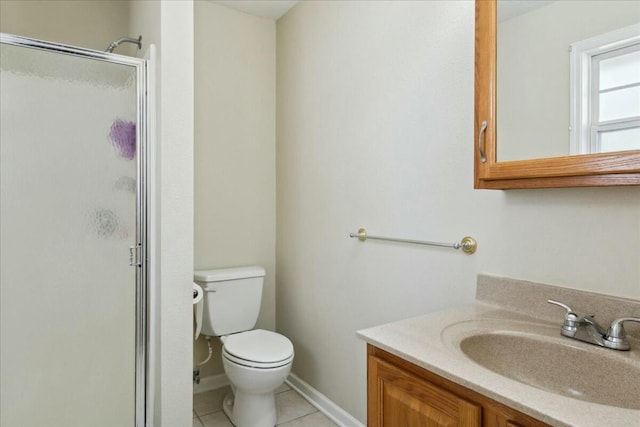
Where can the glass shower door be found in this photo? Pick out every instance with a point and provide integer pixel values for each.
(71, 206)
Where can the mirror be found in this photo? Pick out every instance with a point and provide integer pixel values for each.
(550, 45)
(526, 141)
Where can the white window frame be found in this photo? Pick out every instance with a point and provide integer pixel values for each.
(584, 137)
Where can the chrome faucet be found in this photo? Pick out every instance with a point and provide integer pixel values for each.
(585, 328)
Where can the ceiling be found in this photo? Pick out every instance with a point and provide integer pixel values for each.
(273, 9)
(508, 9)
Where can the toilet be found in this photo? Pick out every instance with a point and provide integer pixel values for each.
(256, 361)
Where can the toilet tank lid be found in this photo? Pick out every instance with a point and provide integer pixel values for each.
(234, 273)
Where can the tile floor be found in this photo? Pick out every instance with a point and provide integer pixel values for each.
(292, 409)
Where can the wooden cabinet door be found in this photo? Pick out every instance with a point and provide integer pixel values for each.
(399, 398)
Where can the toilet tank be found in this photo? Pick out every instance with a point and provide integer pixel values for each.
(232, 298)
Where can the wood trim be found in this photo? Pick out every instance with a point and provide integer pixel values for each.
(373, 391)
(591, 170)
(494, 414)
(562, 182)
(484, 90)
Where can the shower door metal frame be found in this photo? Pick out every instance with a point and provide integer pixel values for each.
(141, 252)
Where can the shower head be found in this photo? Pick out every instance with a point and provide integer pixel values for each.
(116, 43)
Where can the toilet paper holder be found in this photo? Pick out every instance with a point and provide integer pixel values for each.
(198, 295)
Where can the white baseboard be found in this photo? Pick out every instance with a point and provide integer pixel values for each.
(324, 405)
(211, 383)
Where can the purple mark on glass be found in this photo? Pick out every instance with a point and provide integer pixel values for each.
(123, 136)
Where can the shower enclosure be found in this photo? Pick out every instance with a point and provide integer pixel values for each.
(72, 236)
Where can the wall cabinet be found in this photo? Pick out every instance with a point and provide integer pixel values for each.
(590, 170)
(400, 393)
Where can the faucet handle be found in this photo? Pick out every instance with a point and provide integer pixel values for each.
(616, 337)
(570, 317)
(570, 314)
(561, 304)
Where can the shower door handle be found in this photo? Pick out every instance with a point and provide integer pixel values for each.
(134, 255)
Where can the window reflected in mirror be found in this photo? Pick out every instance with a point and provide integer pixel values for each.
(568, 78)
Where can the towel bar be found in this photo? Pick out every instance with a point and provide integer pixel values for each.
(467, 244)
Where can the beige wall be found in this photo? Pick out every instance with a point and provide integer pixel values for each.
(144, 19)
(533, 72)
(89, 24)
(175, 212)
(234, 149)
(375, 129)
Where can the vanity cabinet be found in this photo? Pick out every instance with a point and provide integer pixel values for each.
(400, 393)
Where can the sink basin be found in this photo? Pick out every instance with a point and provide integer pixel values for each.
(591, 374)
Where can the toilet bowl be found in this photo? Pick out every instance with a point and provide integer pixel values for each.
(256, 361)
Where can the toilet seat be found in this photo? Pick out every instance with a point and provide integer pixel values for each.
(258, 349)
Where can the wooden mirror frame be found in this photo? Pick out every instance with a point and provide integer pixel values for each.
(589, 170)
